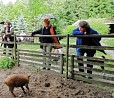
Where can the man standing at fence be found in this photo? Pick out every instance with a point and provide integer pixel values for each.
(47, 29)
(7, 33)
(85, 29)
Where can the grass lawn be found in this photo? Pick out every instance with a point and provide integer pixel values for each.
(108, 41)
(29, 46)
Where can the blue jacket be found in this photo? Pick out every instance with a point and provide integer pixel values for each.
(91, 41)
(86, 41)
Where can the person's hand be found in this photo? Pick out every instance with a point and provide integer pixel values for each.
(31, 34)
(4, 36)
(85, 33)
(7, 29)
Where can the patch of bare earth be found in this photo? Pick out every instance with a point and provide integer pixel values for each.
(49, 84)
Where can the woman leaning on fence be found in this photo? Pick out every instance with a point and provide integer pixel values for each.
(85, 29)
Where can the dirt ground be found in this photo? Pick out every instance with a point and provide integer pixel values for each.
(49, 84)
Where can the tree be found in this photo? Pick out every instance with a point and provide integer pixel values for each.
(83, 9)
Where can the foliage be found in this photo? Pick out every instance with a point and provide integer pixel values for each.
(58, 24)
(19, 24)
(83, 9)
(99, 25)
(29, 9)
(108, 41)
(67, 11)
(6, 63)
(68, 29)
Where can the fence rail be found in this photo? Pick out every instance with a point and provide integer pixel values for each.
(103, 68)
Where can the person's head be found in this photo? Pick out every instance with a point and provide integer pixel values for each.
(83, 26)
(8, 23)
(46, 21)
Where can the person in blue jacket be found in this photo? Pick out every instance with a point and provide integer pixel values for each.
(85, 29)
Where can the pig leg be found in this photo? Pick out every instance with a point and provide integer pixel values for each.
(11, 90)
(23, 90)
(27, 86)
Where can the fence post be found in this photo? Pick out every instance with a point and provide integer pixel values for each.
(44, 53)
(72, 67)
(18, 58)
(15, 47)
(61, 63)
(67, 55)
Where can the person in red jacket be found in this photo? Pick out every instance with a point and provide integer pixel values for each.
(47, 29)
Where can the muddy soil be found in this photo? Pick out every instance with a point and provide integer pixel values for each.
(50, 84)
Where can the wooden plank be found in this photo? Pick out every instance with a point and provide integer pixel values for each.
(40, 56)
(37, 52)
(26, 50)
(96, 70)
(95, 81)
(93, 58)
(38, 59)
(37, 55)
(95, 63)
(95, 35)
(106, 71)
(92, 47)
(1, 49)
(62, 63)
(72, 67)
(39, 64)
(95, 75)
(44, 44)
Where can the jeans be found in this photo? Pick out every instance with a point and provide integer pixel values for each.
(47, 52)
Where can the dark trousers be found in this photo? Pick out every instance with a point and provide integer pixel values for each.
(89, 53)
(4, 45)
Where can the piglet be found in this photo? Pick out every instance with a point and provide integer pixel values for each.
(17, 80)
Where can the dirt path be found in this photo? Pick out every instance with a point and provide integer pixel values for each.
(49, 84)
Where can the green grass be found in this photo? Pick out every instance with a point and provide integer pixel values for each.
(108, 41)
(6, 62)
(28, 46)
(108, 88)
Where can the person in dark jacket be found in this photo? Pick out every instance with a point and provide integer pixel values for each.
(85, 29)
(47, 29)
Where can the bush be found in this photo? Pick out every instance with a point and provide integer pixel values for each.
(6, 63)
(68, 29)
(99, 25)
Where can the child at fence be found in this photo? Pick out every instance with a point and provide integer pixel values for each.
(47, 29)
